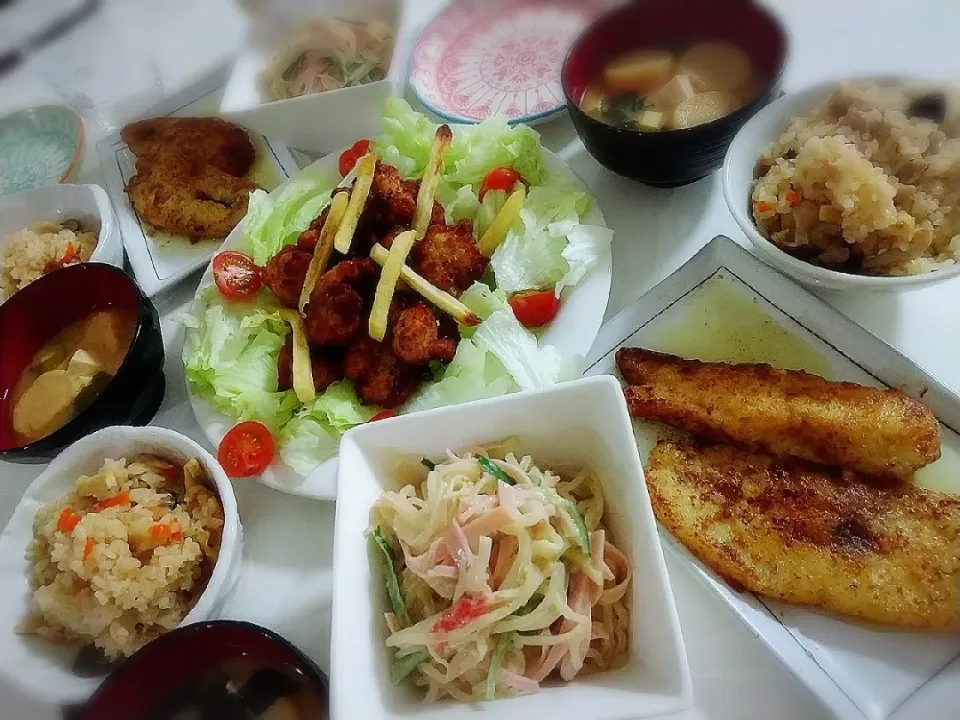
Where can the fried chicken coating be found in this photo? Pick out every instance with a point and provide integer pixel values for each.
(391, 204)
(326, 366)
(381, 377)
(416, 337)
(336, 310)
(448, 256)
(285, 273)
(211, 140)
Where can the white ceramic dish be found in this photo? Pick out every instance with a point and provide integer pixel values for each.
(40, 668)
(572, 332)
(738, 177)
(339, 116)
(724, 304)
(160, 260)
(655, 681)
(57, 203)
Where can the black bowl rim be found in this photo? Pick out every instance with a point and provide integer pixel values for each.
(744, 112)
(72, 423)
(311, 670)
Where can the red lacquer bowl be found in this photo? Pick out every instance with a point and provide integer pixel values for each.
(35, 314)
(160, 671)
(672, 157)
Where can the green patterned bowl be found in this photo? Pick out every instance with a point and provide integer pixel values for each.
(38, 146)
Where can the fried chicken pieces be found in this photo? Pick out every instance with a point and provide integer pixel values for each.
(190, 172)
(385, 374)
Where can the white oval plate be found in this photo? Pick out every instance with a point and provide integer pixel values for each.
(571, 333)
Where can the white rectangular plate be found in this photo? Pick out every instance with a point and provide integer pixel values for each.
(724, 304)
(161, 259)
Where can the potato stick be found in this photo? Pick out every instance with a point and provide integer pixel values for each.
(445, 301)
(324, 247)
(302, 367)
(358, 199)
(387, 285)
(431, 176)
(502, 223)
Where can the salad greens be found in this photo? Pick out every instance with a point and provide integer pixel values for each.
(231, 348)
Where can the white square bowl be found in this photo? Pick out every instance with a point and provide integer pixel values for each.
(582, 423)
(317, 122)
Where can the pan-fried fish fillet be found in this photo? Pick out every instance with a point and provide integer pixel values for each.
(783, 412)
(811, 536)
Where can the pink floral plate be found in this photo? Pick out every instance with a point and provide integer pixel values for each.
(479, 58)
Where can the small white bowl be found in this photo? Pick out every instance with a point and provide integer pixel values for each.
(57, 203)
(41, 668)
(318, 122)
(583, 423)
(738, 178)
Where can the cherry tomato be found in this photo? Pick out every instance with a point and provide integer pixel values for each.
(246, 449)
(535, 308)
(501, 178)
(349, 157)
(235, 274)
(383, 415)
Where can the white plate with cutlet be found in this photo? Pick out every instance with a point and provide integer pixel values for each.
(892, 558)
(161, 258)
(571, 333)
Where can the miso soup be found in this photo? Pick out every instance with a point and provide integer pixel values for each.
(662, 89)
(69, 371)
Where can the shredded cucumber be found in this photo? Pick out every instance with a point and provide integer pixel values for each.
(496, 660)
(390, 577)
(403, 666)
(491, 467)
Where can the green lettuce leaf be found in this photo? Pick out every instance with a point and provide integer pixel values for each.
(230, 360)
(474, 374)
(530, 365)
(474, 152)
(535, 253)
(483, 301)
(276, 220)
(313, 435)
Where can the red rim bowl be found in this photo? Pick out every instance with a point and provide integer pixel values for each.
(36, 313)
(154, 675)
(671, 157)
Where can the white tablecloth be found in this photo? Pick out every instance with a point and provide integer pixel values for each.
(735, 677)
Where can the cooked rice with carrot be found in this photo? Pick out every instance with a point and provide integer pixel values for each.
(869, 182)
(35, 251)
(125, 556)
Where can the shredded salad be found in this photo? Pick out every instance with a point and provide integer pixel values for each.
(232, 344)
(499, 575)
(328, 54)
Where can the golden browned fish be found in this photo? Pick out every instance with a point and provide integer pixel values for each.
(812, 536)
(783, 412)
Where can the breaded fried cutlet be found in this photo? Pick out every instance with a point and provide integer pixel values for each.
(806, 535)
(215, 141)
(189, 198)
(783, 412)
(190, 172)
